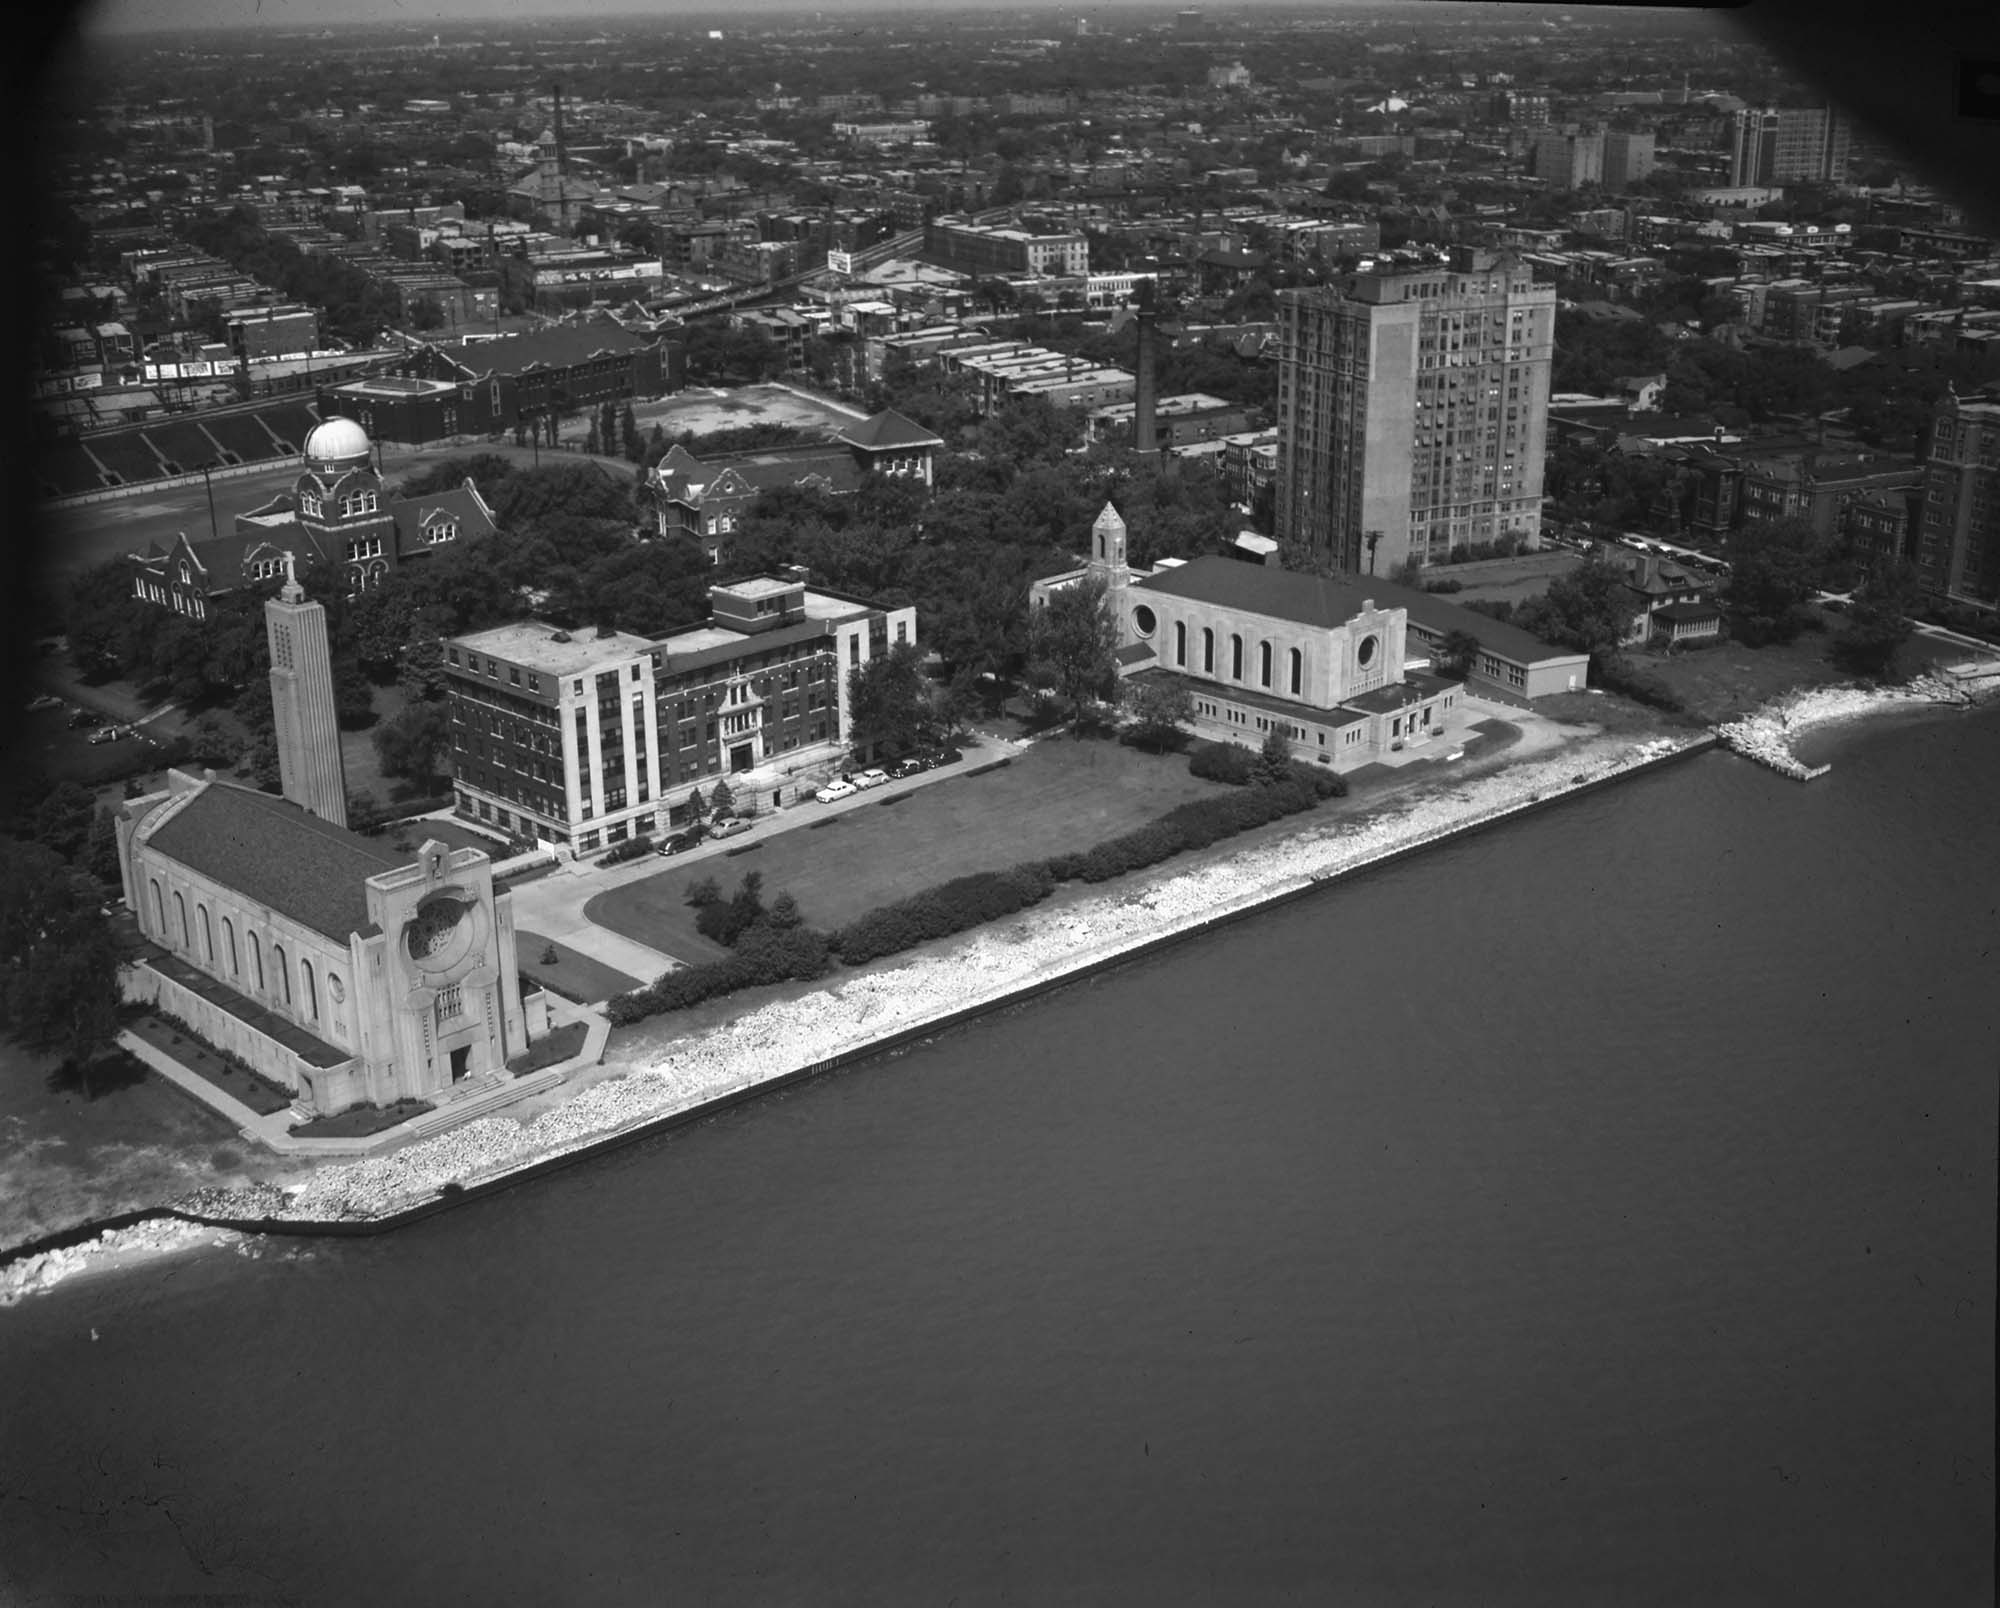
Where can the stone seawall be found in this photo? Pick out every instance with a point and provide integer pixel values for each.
(888, 1005)
(1769, 735)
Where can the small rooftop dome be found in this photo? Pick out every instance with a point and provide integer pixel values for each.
(336, 441)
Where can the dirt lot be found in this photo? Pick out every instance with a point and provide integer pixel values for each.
(1509, 579)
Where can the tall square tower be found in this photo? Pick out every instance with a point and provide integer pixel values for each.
(1413, 410)
(309, 764)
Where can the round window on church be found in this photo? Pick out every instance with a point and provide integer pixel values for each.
(1365, 654)
(1144, 621)
(439, 934)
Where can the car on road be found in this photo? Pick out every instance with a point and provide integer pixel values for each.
(870, 778)
(108, 734)
(836, 790)
(729, 828)
(48, 700)
(680, 841)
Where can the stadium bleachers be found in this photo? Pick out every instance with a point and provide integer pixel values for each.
(243, 437)
(181, 443)
(65, 469)
(126, 456)
(291, 423)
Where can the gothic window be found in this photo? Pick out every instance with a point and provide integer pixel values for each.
(279, 965)
(256, 963)
(181, 910)
(207, 935)
(159, 910)
(1298, 672)
(1180, 642)
(1235, 657)
(1264, 663)
(312, 991)
(1207, 650)
(229, 943)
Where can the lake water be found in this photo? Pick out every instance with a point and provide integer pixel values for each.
(1598, 1210)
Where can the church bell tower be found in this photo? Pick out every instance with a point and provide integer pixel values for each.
(309, 764)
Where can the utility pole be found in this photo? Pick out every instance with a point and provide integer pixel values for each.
(209, 487)
(1374, 539)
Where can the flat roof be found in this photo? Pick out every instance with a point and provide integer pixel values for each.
(534, 644)
(759, 586)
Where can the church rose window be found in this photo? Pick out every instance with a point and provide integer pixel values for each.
(1365, 654)
(1144, 621)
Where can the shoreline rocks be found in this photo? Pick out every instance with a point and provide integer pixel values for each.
(1768, 735)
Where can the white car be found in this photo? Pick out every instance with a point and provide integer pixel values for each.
(870, 778)
(835, 790)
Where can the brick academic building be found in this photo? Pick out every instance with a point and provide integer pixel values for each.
(437, 391)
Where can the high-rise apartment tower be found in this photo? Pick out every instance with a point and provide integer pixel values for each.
(1413, 410)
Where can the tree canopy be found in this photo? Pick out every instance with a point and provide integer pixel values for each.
(58, 965)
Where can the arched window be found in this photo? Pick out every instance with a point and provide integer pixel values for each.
(1235, 657)
(207, 935)
(284, 976)
(256, 963)
(336, 1003)
(312, 991)
(181, 910)
(1180, 642)
(229, 944)
(159, 910)
(1208, 650)
(1264, 664)
(1298, 673)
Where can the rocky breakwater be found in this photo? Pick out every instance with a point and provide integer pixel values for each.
(1769, 735)
(34, 1275)
(982, 968)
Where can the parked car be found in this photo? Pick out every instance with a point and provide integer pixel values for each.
(108, 734)
(48, 700)
(910, 766)
(86, 717)
(679, 841)
(729, 828)
(835, 790)
(946, 756)
(870, 778)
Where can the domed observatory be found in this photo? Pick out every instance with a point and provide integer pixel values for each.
(338, 496)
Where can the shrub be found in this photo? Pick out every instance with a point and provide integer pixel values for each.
(704, 891)
(1444, 586)
(1223, 762)
(630, 849)
(948, 908)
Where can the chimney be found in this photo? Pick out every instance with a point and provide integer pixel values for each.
(1142, 395)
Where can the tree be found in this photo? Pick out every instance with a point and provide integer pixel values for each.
(1457, 653)
(1163, 707)
(697, 807)
(722, 802)
(214, 741)
(414, 743)
(1878, 620)
(1274, 758)
(1589, 610)
(425, 313)
(1772, 570)
(1073, 645)
(888, 703)
(58, 965)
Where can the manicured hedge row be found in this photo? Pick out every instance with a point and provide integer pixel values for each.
(767, 956)
(764, 955)
(639, 843)
(938, 912)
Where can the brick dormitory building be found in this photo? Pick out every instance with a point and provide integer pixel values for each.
(589, 738)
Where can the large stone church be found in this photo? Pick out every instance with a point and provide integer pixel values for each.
(334, 967)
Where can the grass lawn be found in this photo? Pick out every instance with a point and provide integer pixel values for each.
(361, 1120)
(1728, 680)
(560, 1045)
(1059, 795)
(574, 975)
(1512, 579)
(71, 1151)
(1617, 715)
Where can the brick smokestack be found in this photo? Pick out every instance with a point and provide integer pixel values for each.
(1142, 396)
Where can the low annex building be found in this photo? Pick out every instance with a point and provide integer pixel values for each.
(587, 739)
(336, 513)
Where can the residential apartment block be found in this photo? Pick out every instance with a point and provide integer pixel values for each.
(1413, 409)
(1569, 161)
(587, 739)
(978, 248)
(1792, 144)
(1958, 537)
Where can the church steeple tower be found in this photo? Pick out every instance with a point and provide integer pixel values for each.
(309, 766)
(1107, 551)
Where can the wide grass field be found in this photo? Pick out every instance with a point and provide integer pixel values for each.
(1730, 680)
(1061, 794)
